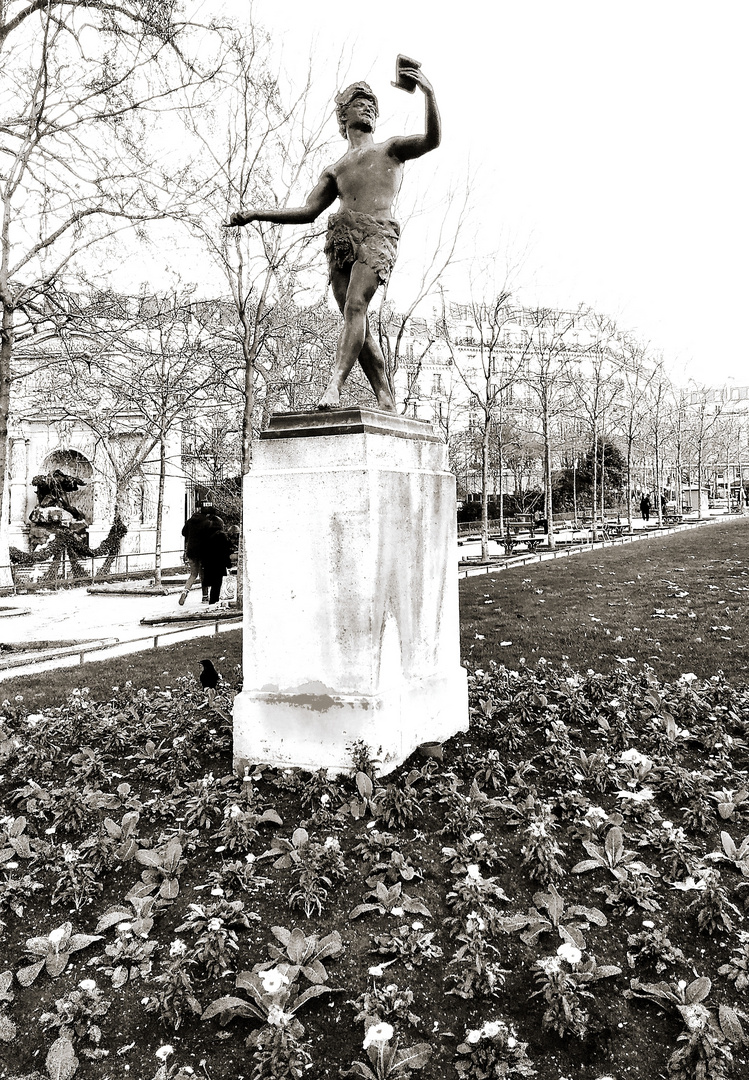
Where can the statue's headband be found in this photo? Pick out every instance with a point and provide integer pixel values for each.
(344, 99)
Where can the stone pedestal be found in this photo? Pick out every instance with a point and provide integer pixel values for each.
(350, 593)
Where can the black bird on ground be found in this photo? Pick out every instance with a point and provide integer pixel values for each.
(209, 678)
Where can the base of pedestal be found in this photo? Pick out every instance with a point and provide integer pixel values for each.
(315, 731)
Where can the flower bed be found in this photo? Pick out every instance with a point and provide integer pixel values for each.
(563, 895)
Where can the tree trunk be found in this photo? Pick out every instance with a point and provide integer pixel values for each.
(485, 491)
(595, 479)
(6, 351)
(548, 507)
(160, 510)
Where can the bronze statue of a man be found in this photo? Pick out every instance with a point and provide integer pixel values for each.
(362, 236)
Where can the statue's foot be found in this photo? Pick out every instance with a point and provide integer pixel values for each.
(331, 399)
(386, 403)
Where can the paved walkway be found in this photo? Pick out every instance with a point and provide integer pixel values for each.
(75, 615)
(104, 626)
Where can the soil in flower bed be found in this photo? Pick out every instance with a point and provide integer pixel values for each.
(605, 793)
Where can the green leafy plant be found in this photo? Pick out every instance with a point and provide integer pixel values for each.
(730, 802)
(76, 1019)
(613, 856)
(216, 945)
(13, 843)
(390, 901)
(540, 851)
(173, 996)
(738, 857)
(480, 975)
(273, 998)
(567, 921)
(493, 1050)
(386, 1060)
(305, 954)
(652, 947)
(737, 968)
(382, 1002)
(163, 869)
(55, 951)
(562, 987)
(411, 943)
(137, 911)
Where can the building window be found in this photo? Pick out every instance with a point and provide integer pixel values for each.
(437, 383)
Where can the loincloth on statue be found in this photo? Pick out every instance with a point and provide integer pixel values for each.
(354, 237)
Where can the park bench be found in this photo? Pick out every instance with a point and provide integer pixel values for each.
(520, 529)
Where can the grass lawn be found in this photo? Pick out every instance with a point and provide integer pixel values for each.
(564, 896)
(677, 603)
(153, 668)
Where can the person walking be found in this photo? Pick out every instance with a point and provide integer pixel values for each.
(645, 507)
(192, 531)
(215, 557)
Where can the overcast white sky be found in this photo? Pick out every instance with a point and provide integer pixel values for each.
(607, 139)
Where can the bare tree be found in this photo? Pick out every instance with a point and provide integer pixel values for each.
(83, 81)
(487, 375)
(130, 371)
(548, 350)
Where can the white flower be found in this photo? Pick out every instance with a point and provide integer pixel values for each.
(634, 757)
(511, 1042)
(473, 1036)
(272, 980)
(249, 858)
(124, 927)
(688, 677)
(164, 1052)
(325, 798)
(417, 925)
(636, 796)
(177, 948)
(397, 911)
(331, 842)
(682, 984)
(696, 1016)
(475, 837)
(88, 985)
(492, 1028)
(570, 953)
(277, 1017)
(235, 811)
(648, 923)
(473, 871)
(214, 925)
(379, 1034)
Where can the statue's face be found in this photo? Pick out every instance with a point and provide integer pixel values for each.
(361, 113)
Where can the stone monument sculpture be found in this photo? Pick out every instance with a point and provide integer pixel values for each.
(362, 237)
(350, 609)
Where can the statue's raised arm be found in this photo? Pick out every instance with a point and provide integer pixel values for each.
(407, 147)
(362, 237)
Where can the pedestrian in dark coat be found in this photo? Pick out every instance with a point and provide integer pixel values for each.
(215, 557)
(645, 507)
(192, 531)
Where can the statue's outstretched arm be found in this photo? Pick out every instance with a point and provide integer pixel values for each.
(406, 147)
(320, 198)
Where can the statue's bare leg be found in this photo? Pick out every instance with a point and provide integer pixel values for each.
(353, 289)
